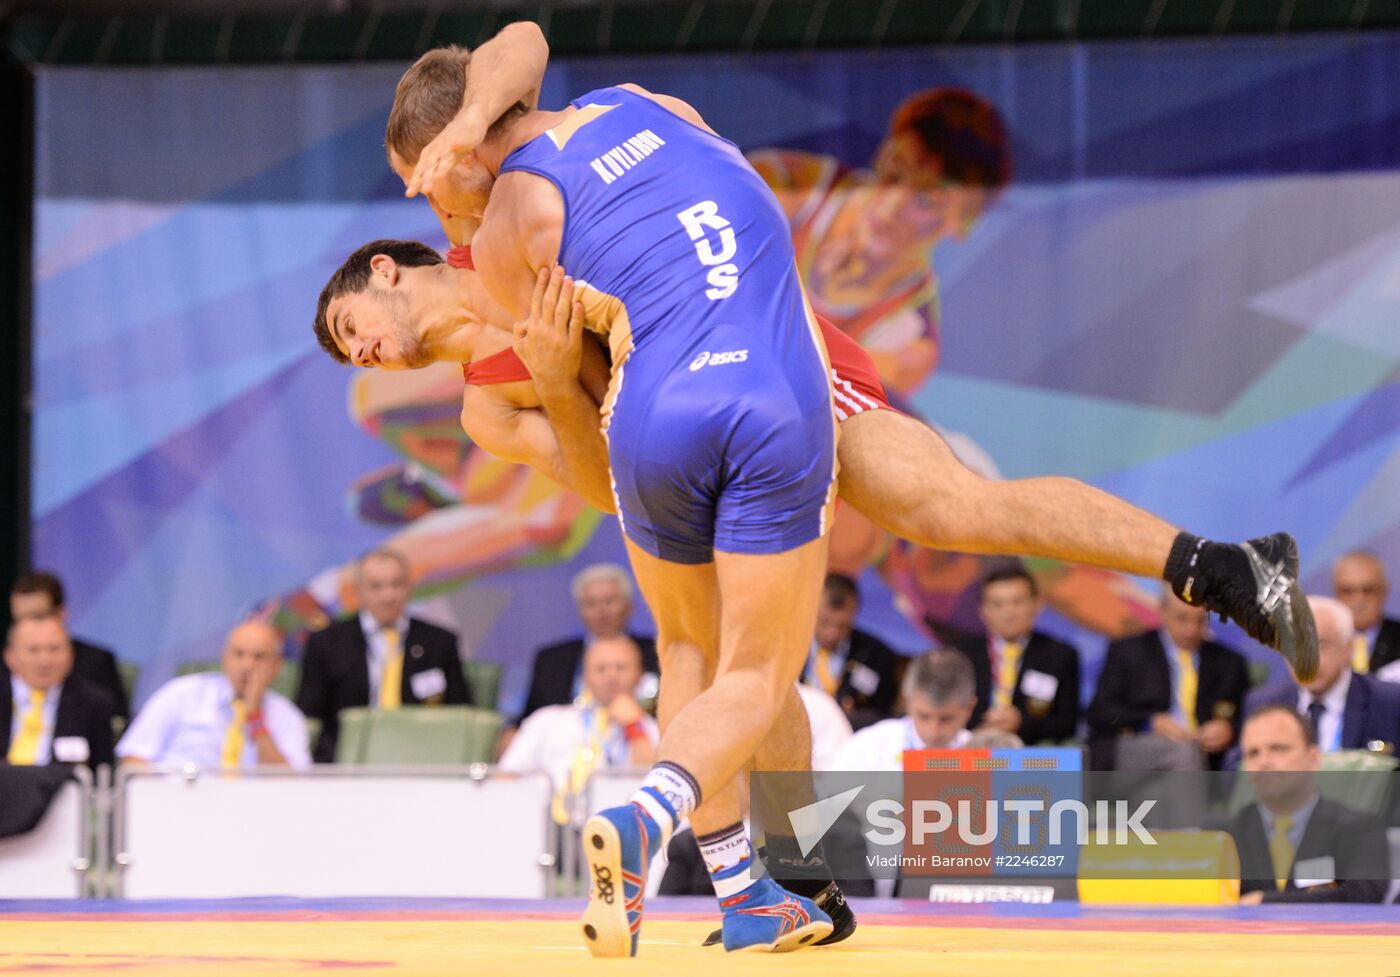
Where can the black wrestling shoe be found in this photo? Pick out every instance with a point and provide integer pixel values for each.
(1254, 584)
(829, 899)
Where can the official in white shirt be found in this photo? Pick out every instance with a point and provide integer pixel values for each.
(604, 727)
(940, 695)
(223, 720)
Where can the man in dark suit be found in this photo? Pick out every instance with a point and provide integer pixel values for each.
(380, 657)
(1350, 711)
(1359, 581)
(603, 594)
(47, 714)
(1173, 686)
(40, 594)
(1027, 682)
(857, 669)
(1294, 844)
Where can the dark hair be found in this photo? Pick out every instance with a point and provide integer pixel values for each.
(840, 589)
(428, 97)
(353, 276)
(965, 132)
(40, 582)
(1304, 723)
(1009, 571)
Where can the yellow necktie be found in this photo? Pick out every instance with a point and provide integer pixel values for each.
(233, 739)
(1186, 687)
(828, 681)
(1360, 655)
(590, 755)
(1010, 671)
(24, 751)
(391, 682)
(1281, 850)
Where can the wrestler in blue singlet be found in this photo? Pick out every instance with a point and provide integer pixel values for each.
(719, 422)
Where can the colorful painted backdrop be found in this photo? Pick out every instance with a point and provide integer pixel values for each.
(1188, 296)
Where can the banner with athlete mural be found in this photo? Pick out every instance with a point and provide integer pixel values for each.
(1185, 294)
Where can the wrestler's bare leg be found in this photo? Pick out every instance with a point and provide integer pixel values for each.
(687, 645)
(769, 609)
(904, 477)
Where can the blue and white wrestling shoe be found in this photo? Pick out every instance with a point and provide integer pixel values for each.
(766, 918)
(619, 844)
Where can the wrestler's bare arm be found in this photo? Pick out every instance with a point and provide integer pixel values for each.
(562, 439)
(526, 437)
(505, 70)
(520, 234)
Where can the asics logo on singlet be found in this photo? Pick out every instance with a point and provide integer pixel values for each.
(723, 274)
(718, 359)
(623, 157)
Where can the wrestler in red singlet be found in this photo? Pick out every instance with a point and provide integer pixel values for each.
(855, 383)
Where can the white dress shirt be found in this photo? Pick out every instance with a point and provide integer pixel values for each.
(882, 746)
(830, 727)
(549, 739)
(1334, 700)
(21, 693)
(187, 720)
(374, 643)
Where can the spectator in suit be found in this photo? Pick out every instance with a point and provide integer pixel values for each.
(1349, 711)
(857, 669)
(1167, 697)
(1027, 682)
(51, 715)
(229, 719)
(604, 727)
(381, 657)
(40, 594)
(1294, 844)
(1359, 581)
(603, 594)
(940, 694)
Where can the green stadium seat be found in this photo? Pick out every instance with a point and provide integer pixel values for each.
(285, 683)
(431, 735)
(1360, 793)
(129, 673)
(484, 679)
(1259, 673)
(193, 668)
(354, 734)
(287, 680)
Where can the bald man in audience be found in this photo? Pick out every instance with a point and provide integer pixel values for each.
(604, 727)
(230, 719)
(50, 715)
(1350, 711)
(1359, 581)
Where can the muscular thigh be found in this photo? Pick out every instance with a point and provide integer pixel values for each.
(891, 464)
